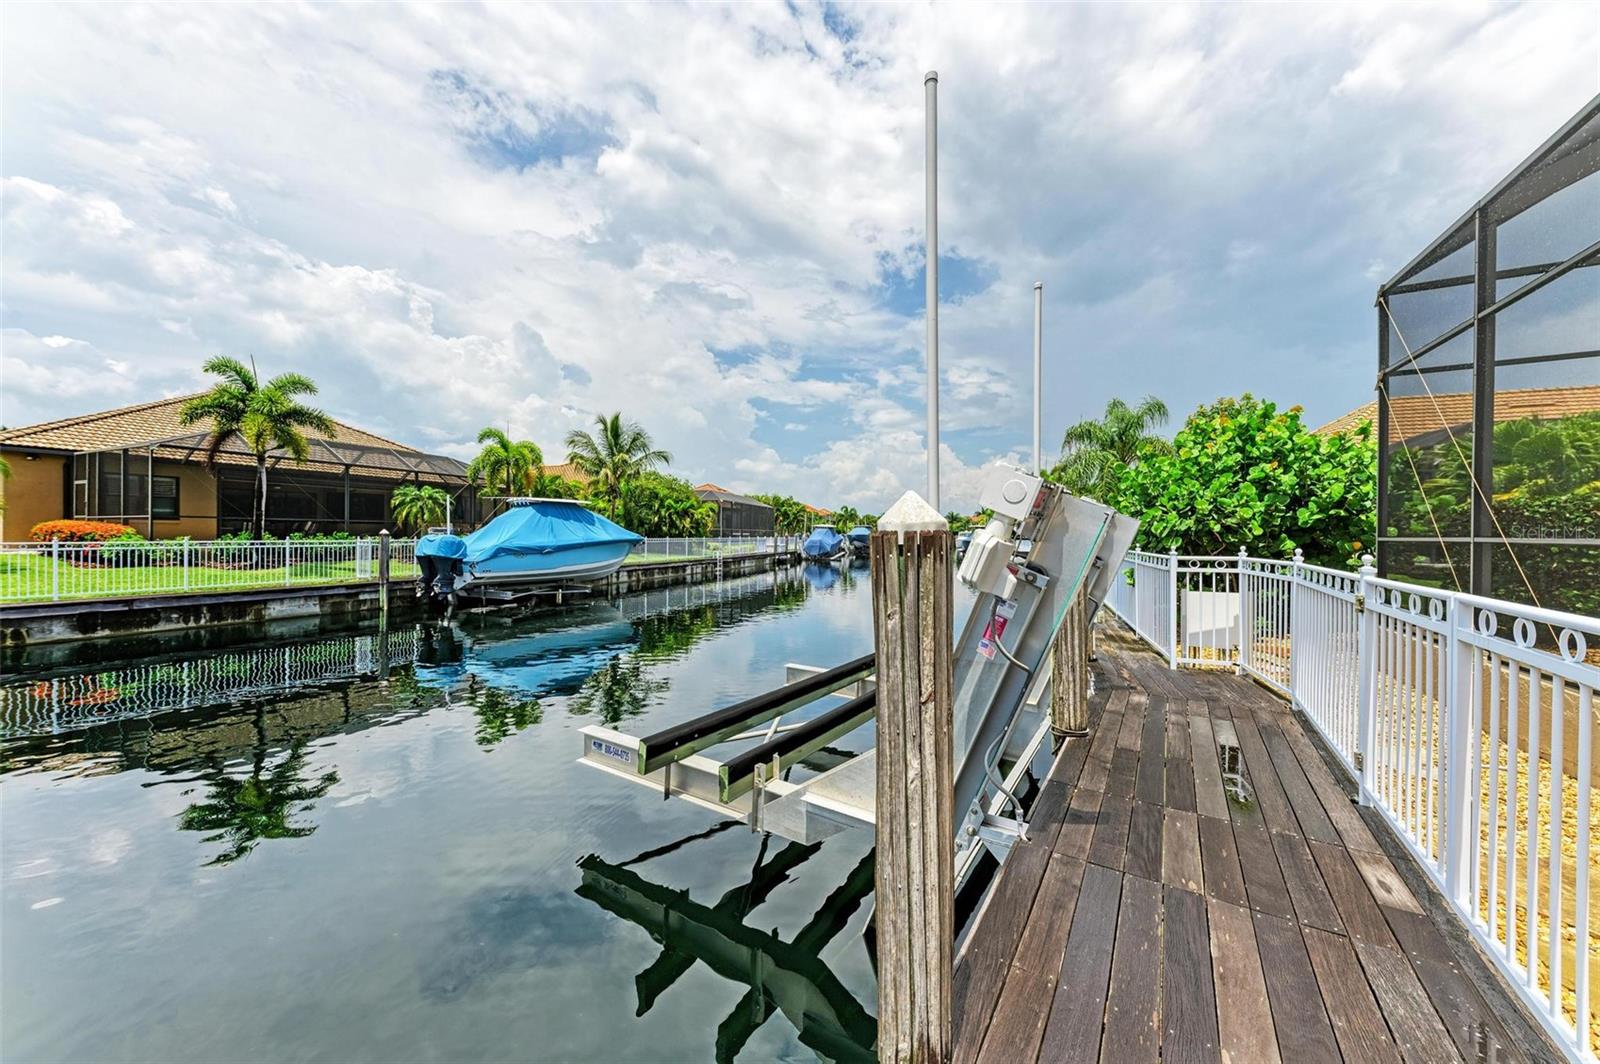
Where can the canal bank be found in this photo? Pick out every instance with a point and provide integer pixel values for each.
(133, 616)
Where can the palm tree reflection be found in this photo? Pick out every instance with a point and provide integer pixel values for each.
(616, 691)
(499, 715)
(240, 812)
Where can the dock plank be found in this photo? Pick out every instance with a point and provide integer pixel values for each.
(1150, 786)
(1077, 1012)
(1077, 830)
(1244, 1019)
(1208, 794)
(1274, 804)
(1263, 880)
(1474, 1027)
(1413, 1021)
(1188, 1000)
(1305, 1034)
(1357, 1021)
(1180, 851)
(1133, 1006)
(1219, 861)
(1314, 822)
(1180, 761)
(1144, 842)
(1357, 910)
(1313, 905)
(1110, 845)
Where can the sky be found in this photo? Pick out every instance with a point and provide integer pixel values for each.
(711, 218)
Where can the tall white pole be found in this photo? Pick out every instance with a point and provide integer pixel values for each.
(930, 85)
(1038, 376)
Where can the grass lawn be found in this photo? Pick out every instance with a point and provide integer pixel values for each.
(27, 578)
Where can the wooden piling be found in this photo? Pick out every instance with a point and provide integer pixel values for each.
(1069, 671)
(912, 567)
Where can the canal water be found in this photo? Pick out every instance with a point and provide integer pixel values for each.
(379, 846)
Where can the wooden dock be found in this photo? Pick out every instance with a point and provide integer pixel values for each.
(1153, 913)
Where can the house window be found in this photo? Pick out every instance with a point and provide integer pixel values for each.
(163, 502)
(164, 497)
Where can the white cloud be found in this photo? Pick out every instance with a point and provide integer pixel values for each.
(527, 216)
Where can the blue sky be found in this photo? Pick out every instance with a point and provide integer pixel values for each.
(711, 217)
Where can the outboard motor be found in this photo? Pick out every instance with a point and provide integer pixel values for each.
(439, 565)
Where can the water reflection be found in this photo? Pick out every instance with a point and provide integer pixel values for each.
(240, 812)
(783, 975)
(389, 823)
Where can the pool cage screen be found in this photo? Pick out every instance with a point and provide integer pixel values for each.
(1489, 390)
(341, 486)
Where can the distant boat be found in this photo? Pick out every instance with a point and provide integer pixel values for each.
(824, 544)
(860, 538)
(536, 542)
(963, 541)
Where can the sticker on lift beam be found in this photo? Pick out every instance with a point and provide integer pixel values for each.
(996, 628)
(614, 752)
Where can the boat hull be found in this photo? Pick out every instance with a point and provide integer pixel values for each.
(593, 561)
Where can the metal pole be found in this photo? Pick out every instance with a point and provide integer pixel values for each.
(1038, 376)
(930, 86)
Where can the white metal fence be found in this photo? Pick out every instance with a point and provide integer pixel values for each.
(684, 548)
(57, 571)
(1468, 723)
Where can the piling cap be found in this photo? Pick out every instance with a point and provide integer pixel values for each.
(911, 513)
(932, 75)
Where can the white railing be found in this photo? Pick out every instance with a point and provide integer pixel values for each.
(57, 571)
(1468, 724)
(687, 548)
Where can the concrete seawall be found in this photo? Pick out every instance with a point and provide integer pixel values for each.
(143, 615)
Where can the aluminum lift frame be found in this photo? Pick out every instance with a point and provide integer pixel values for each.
(1001, 699)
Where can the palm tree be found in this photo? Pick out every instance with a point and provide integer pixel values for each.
(617, 453)
(266, 416)
(506, 466)
(1094, 453)
(417, 506)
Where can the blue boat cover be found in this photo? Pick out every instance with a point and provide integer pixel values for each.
(543, 527)
(440, 545)
(861, 534)
(822, 542)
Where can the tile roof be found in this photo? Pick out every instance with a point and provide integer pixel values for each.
(710, 492)
(568, 471)
(1414, 416)
(158, 421)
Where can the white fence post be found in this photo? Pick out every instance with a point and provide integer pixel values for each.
(1294, 626)
(1366, 669)
(1241, 659)
(185, 565)
(55, 570)
(1172, 607)
(285, 561)
(1458, 727)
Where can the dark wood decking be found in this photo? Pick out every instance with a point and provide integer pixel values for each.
(1151, 916)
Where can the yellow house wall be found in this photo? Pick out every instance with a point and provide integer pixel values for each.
(197, 503)
(32, 493)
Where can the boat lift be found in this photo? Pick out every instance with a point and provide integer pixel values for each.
(1042, 546)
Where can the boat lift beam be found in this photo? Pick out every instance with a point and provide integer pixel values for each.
(681, 740)
(795, 744)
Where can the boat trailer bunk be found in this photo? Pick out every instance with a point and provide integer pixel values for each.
(1041, 548)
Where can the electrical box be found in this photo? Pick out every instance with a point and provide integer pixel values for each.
(1010, 492)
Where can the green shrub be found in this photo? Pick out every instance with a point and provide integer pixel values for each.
(1242, 474)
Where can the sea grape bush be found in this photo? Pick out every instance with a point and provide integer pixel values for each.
(1242, 473)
